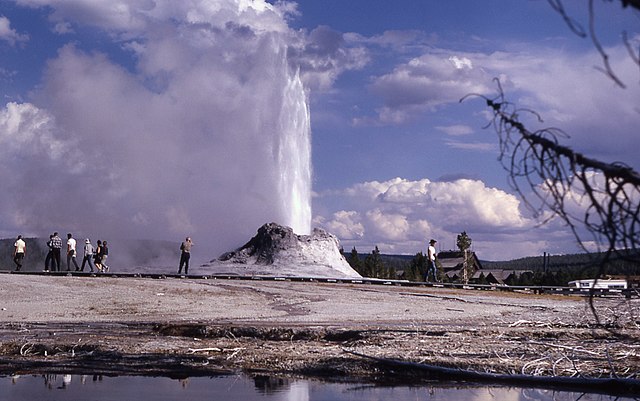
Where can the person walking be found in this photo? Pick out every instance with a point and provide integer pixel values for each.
(48, 261)
(56, 245)
(431, 261)
(97, 256)
(19, 250)
(88, 255)
(104, 256)
(71, 252)
(185, 255)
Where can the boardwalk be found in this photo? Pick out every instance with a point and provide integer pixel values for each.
(557, 290)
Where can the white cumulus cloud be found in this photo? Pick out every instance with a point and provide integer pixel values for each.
(9, 34)
(399, 215)
(564, 88)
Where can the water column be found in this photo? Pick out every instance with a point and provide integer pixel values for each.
(294, 156)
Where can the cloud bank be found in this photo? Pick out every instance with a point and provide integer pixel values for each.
(563, 86)
(400, 215)
(566, 89)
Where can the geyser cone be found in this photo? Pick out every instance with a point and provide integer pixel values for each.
(277, 251)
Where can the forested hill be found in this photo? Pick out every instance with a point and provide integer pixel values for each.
(626, 263)
(630, 264)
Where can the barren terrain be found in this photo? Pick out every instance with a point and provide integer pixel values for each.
(183, 327)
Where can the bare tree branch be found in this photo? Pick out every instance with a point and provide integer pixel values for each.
(577, 29)
(596, 42)
(594, 198)
(632, 3)
(571, 23)
(563, 180)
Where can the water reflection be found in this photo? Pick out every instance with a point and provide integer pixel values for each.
(82, 387)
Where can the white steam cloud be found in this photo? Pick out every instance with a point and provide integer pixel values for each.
(201, 130)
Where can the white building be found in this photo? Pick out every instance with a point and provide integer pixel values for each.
(607, 284)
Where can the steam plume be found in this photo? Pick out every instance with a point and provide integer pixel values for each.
(199, 127)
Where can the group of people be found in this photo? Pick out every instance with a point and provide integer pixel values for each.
(92, 256)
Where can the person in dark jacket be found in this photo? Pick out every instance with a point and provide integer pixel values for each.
(56, 245)
(105, 255)
(97, 256)
(185, 255)
(48, 261)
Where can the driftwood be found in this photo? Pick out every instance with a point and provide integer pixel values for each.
(234, 351)
(613, 386)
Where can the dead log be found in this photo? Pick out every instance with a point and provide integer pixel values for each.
(611, 386)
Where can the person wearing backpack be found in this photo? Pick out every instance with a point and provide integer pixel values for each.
(185, 255)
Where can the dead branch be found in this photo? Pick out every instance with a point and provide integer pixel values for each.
(575, 349)
(26, 349)
(579, 31)
(234, 351)
(194, 350)
(603, 54)
(558, 177)
(614, 386)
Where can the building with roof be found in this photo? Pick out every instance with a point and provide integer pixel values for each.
(452, 264)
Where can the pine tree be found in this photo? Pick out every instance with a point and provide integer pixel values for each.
(355, 262)
(392, 273)
(374, 266)
(464, 243)
(417, 267)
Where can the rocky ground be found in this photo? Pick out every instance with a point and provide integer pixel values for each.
(183, 327)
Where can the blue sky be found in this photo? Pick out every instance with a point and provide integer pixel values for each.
(123, 116)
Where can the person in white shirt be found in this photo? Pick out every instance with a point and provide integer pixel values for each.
(71, 252)
(431, 262)
(19, 250)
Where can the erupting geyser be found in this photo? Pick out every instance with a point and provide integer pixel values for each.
(294, 158)
(198, 125)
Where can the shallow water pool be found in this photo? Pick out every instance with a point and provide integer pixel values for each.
(244, 388)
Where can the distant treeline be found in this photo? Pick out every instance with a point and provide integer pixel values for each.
(534, 270)
(374, 265)
(623, 263)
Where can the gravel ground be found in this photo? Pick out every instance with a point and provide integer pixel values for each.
(184, 327)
